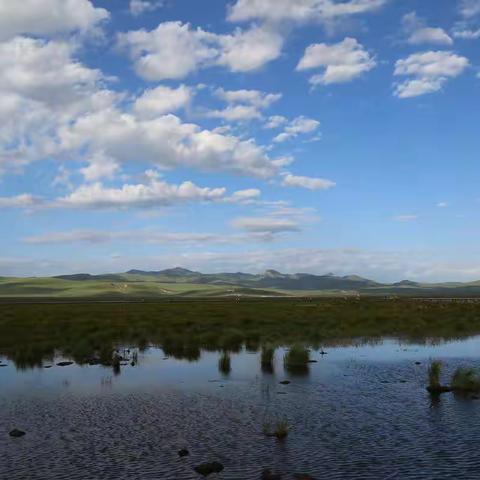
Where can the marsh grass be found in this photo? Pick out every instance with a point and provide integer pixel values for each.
(279, 429)
(434, 372)
(466, 380)
(30, 333)
(267, 359)
(296, 359)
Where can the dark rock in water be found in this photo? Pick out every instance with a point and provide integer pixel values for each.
(281, 393)
(284, 382)
(474, 397)
(208, 468)
(183, 452)
(132, 364)
(269, 475)
(418, 363)
(16, 433)
(439, 389)
(313, 361)
(64, 364)
(47, 366)
(3, 365)
(303, 476)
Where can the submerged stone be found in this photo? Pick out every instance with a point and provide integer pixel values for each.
(439, 389)
(64, 364)
(208, 468)
(284, 382)
(183, 452)
(16, 433)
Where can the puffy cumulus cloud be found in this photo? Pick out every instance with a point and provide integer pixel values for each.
(161, 100)
(48, 17)
(342, 62)
(157, 193)
(53, 106)
(266, 224)
(417, 32)
(42, 88)
(298, 126)
(428, 72)
(174, 50)
(309, 183)
(243, 104)
(153, 193)
(166, 142)
(139, 7)
(299, 11)
(249, 50)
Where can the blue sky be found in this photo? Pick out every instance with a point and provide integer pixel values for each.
(301, 135)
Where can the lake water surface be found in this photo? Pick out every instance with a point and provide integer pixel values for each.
(360, 412)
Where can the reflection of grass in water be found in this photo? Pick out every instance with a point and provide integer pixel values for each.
(466, 380)
(224, 363)
(296, 359)
(32, 332)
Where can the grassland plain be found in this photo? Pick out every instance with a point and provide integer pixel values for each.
(34, 332)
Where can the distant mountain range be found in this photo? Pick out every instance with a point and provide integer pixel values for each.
(275, 283)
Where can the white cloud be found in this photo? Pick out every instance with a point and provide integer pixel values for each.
(249, 50)
(153, 237)
(342, 62)
(428, 72)
(20, 201)
(243, 104)
(139, 7)
(265, 224)
(299, 11)
(417, 32)
(42, 88)
(255, 98)
(405, 218)
(442, 204)
(310, 183)
(161, 100)
(275, 121)
(157, 193)
(174, 50)
(296, 127)
(48, 17)
(465, 32)
(100, 166)
(469, 8)
(166, 142)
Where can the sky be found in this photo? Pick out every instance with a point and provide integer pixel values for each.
(241, 135)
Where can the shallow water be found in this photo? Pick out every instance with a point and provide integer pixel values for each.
(361, 412)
